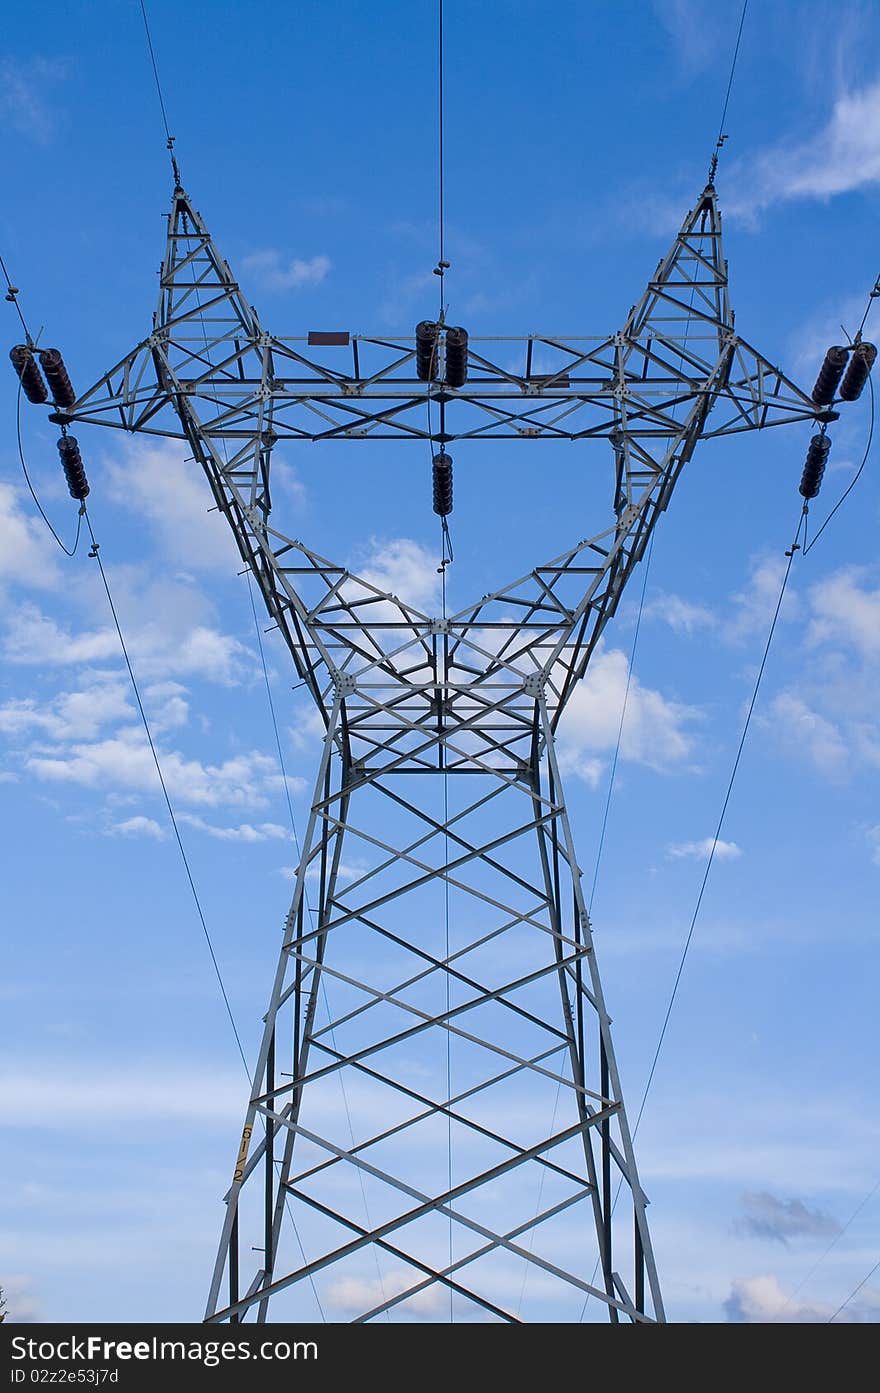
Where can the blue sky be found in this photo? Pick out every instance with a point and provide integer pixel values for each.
(306, 137)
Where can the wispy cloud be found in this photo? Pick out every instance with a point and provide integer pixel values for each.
(244, 832)
(25, 96)
(124, 761)
(700, 850)
(846, 612)
(139, 826)
(766, 1216)
(159, 649)
(682, 616)
(276, 272)
(755, 603)
(25, 547)
(839, 157)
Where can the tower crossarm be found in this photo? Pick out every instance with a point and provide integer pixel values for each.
(676, 372)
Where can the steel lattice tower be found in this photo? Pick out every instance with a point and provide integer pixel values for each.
(450, 1193)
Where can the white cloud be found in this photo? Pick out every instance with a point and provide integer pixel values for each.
(165, 705)
(682, 616)
(124, 761)
(158, 483)
(805, 731)
(70, 715)
(27, 554)
(358, 1294)
(406, 569)
(158, 648)
(139, 827)
(21, 1304)
(309, 729)
(842, 156)
(654, 730)
(245, 832)
(700, 851)
(270, 269)
(761, 1301)
(845, 612)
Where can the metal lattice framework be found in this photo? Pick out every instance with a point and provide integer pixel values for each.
(401, 1186)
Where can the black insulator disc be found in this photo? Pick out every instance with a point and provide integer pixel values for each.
(830, 374)
(814, 465)
(57, 377)
(456, 356)
(442, 481)
(74, 469)
(860, 365)
(25, 365)
(427, 334)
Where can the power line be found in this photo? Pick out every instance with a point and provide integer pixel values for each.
(296, 843)
(12, 293)
(733, 773)
(632, 657)
(833, 1244)
(693, 923)
(855, 1291)
(68, 551)
(96, 553)
(853, 481)
(155, 70)
(721, 136)
(441, 181)
(169, 138)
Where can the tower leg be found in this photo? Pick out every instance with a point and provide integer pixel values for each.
(440, 1135)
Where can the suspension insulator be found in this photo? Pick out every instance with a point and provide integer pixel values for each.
(814, 466)
(25, 365)
(456, 357)
(427, 334)
(74, 469)
(443, 484)
(860, 365)
(57, 377)
(830, 374)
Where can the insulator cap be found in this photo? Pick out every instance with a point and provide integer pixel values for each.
(57, 377)
(442, 484)
(860, 365)
(456, 356)
(814, 466)
(830, 374)
(427, 334)
(25, 365)
(74, 469)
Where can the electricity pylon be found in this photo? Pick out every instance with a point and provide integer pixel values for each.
(436, 1109)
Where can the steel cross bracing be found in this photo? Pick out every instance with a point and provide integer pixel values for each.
(423, 1189)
